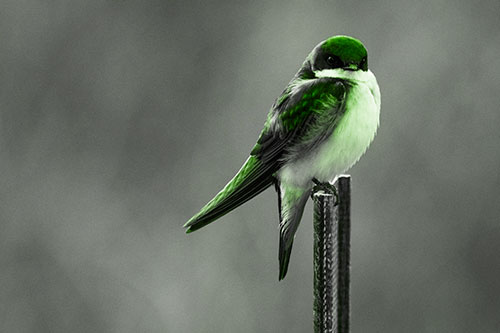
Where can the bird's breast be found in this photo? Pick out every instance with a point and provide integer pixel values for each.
(348, 141)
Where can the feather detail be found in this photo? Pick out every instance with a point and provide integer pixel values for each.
(253, 178)
(292, 201)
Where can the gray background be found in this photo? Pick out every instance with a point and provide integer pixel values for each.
(120, 119)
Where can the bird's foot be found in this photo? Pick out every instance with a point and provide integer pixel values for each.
(326, 187)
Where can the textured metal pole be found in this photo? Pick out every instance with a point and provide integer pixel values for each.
(332, 231)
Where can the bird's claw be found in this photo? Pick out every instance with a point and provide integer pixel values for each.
(326, 187)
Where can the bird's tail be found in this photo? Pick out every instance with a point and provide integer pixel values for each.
(292, 201)
(253, 177)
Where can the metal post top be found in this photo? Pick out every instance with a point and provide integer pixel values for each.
(340, 183)
(323, 194)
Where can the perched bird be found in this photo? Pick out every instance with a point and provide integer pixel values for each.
(318, 127)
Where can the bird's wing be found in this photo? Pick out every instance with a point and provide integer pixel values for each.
(297, 107)
(253, 178)
(302, 116)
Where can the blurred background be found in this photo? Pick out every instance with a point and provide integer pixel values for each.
(120, 119)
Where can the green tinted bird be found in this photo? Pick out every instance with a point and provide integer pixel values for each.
(318, 127)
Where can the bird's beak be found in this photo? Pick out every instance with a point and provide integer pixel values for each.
(351, 67)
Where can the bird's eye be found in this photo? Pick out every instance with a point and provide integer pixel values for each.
(363, 63)
(333, 61)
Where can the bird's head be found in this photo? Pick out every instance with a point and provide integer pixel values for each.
(338, 52)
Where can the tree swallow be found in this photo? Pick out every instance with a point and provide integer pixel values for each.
(318, 127)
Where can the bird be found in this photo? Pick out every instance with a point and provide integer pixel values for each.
(318, 127)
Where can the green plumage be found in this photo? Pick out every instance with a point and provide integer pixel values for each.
(312, 101)
(346, 48)
(253, 178)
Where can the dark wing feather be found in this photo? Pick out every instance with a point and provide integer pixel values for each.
(299, 110)
(253, 178)
(286, 122)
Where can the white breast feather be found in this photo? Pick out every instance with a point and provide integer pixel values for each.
(350, 138)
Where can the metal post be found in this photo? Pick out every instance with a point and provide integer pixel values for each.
(332, 230)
